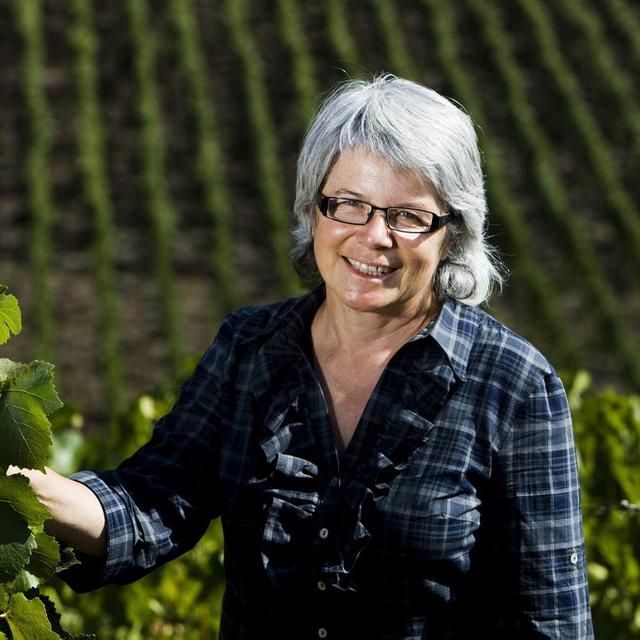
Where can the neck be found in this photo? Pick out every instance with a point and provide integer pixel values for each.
(353, 333)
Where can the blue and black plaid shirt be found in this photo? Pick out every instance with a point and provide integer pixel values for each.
(453, 513)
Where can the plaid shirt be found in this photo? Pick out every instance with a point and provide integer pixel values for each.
(453, 513)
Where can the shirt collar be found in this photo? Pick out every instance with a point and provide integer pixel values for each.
(454, 331)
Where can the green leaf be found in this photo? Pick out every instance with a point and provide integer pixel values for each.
(28, 395)
(24, 581)
(8, 371)
(45, 557)
(10, 318)
(54, 620)
(16, 543)
(36, 380)
(28, 620)
(67, 559)
(4, 598)
(16, 492)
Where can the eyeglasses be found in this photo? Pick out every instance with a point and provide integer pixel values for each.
(358, 212)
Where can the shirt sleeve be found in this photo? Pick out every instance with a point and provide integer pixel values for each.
(159, 502)
(540, 565)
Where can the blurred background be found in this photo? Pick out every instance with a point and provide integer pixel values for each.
(148, 161)
(147, 167)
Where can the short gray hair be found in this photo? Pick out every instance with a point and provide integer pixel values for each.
(416, 129)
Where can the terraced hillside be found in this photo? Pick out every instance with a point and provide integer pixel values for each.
(147, 159)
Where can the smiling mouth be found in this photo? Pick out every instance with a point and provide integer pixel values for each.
(369, 269)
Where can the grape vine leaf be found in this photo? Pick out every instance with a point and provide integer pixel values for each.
(45, 557)
(24, 581)
(28, 620)
(35, 378)
(16, 543)
(4, 598)
(67, 559)
(54, 619)
(27, 396)
(10, 320)
(16, 492)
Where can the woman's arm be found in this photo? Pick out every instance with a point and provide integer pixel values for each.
(78, 519)
(540, 572)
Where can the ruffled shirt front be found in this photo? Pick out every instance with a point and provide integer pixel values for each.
(453, 513)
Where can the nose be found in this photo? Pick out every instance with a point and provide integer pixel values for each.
(376, 233)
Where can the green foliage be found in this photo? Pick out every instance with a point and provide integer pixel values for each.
(392, 37)
(10, 319)
(91, 159)
(597, 47)
(625, 18)
(554, 196)
(153, 150)
(341, 39)
(28, 397)
(302, 70)
(543, 299)
(37, 174)
(182, 600)
(607, 429)
(622, 208)
(28, 620)
(209, 163)
(269, 170)
(28, 555)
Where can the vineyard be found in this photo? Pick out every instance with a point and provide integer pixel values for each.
(148, 158)
(147, 166)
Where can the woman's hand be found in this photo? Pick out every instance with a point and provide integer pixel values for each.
(77, 516)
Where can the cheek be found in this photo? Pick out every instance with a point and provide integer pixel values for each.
(323, 246)
(327, 236)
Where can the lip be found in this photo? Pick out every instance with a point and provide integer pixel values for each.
(366, 276)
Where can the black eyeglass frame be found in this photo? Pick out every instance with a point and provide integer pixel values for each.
(439, 220)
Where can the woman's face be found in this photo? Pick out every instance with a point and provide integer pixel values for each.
(342, 250)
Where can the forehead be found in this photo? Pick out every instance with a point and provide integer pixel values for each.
(367, 174)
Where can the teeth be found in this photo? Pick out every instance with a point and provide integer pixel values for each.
(368, 269)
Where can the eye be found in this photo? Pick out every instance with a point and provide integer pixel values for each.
(351, 203)
(406, 215)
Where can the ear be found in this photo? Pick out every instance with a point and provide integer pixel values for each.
(313, 219)
(447, 244)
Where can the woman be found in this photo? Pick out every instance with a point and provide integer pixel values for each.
(388, 460)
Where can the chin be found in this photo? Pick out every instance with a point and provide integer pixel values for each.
(367, 302)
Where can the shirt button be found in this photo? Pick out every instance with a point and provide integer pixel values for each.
(322, 632)
(322, 585)
(574, 558)
(323, 533)
(334, 482)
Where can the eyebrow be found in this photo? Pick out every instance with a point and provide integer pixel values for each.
(355, 194)
(360, 196)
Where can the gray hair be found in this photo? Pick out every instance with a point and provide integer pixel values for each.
(416, 129)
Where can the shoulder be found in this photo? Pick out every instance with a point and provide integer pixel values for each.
(503, 358)
(240, 331)
(250, 323)
(509, 379)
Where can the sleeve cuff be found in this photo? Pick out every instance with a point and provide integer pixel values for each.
(95, 572)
